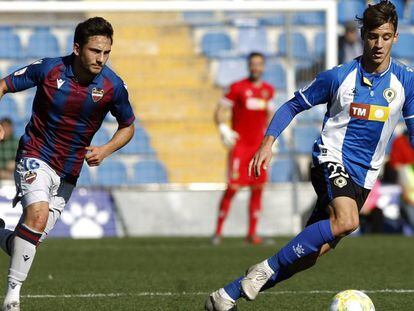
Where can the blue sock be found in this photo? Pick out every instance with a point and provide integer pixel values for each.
(233, 289)
(279, 276)
(305, 243)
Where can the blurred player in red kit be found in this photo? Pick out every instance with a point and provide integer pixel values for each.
(250, 102)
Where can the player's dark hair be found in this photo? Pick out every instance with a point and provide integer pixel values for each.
(6, 120)
(94, 26)
(378, 14)
(255, 54)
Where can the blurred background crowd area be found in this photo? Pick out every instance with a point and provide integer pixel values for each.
(176, 66)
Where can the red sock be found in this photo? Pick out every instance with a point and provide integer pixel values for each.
(255, 207)
(224, 208)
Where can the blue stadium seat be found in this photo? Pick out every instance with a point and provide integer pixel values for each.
(201, 18)
(85, 178)
(27, 109)
(18, 128)
(404, 46)
(101, 138)
(309, 18)
(139, 144)
(282, 147)
(147, 172)
(299, 46)
(69, 45)
(215, 44)
(282, 170)
(112, 173)
(277, 19)
(348, 9)
(304, 137)
(16, 66)
(230, 70)
(320, 44)
(275, 74)
(9, 109)
(400, 7)
(252, 39)
(42, 43)
(10, 46)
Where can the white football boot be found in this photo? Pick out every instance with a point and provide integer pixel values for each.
(217, 302)
(11, 306)
(255, 278)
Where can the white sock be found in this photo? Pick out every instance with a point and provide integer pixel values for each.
(13, 291)
(22, 255)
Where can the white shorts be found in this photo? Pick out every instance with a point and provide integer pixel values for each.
(38, 182)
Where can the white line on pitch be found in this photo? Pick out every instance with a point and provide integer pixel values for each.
(143, 294)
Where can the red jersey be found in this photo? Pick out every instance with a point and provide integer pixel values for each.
(401, 151)
(250, 104)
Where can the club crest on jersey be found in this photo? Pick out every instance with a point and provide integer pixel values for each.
(389, 94)
(369, 112)
(30, 177)
(249, 93)
(97, 94)
(265, 94)
(340, 182)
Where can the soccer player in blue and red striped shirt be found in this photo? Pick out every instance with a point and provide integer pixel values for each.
(74, 94)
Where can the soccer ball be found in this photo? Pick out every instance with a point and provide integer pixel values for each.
(351, 300)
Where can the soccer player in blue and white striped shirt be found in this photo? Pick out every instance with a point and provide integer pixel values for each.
(364, 98)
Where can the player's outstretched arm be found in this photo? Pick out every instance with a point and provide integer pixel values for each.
(96, 154)
(262, 157)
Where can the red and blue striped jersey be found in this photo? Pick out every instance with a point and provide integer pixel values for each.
(67, 114)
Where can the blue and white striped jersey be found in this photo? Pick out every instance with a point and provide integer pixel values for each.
(362, 112)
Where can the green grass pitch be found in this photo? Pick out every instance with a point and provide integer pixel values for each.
(177, 274)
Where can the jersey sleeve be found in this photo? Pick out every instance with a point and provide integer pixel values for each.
(121, 107)
(26, 77)
(230, 96)
(320, 90)
(408, 107)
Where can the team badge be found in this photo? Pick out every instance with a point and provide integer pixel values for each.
(389, 94)
(30, 177)
(97, 94)
(249, 93)
(340, 182)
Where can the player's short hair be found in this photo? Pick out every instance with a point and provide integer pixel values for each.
(255, 54)
(6, 121)
(378, 14)
(94, 26)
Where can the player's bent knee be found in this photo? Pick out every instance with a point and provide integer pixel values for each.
(36, 216)
(346, 226)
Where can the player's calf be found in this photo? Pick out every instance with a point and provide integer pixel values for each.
(26, 239)
(344, 216)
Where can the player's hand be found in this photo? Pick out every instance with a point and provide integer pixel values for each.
(228, 136)
(262, 157)
(1, 132)
(95, 155)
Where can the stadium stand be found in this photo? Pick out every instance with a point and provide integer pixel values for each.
(215, 44)
(149, 172)
(13, 48)
(304, 137)
(252, 39)
(299, 42)
(205, 54)
(42, 43)
(282, 170)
